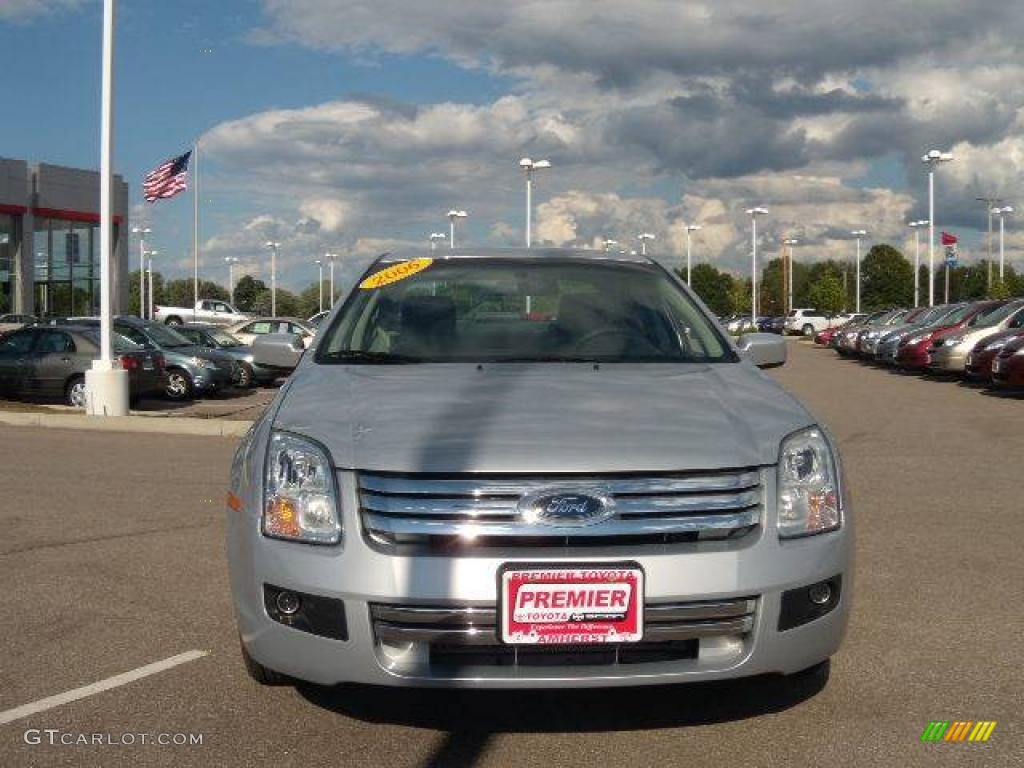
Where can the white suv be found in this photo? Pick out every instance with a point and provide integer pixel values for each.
(807, 322)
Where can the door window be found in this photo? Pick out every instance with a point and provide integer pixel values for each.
(17, 343)
(54, 342)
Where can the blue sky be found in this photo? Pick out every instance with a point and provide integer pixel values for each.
(350, 126)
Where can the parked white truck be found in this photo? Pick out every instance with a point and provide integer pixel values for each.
(211, 311)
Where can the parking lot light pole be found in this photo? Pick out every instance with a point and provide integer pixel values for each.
(1001, 213)
(932, 158)
(916, 226)
(273, 275)
(529, 167)
(330, 259)
(609, 244)
(149, 274)
(231, 261)
(643, 237)
(142, 232)
(858, 233)
(690, 229)
(753, 213)
(320, 283)
(453, 214)
(434, 237)
(788, 287)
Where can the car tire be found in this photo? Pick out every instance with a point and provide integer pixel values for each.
(179, 385)
(246, 377)
(74, 392)
(173, 320)
(261, 674)
(808, 329)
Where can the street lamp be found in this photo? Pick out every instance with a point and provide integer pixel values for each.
(452, 216)
(858, 233)
(643, 237)
(916, 226)
(753, 213)
(330, 258)
(1001, 213)
(273, 275)
(609, 244)
(690, 229)
(788, 287)
(529, 166)
(231, 261)
(320, 283)
(434, 237)
(142, 232)
(149, 272)
(932, 159)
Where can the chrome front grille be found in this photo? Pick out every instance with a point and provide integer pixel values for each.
(453, 514)
(456, 635)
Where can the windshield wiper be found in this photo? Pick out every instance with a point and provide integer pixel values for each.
(372, 358)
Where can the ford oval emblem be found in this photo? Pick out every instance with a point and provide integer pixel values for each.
(573, 508)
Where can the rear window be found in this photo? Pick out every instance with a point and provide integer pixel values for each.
(524, 310)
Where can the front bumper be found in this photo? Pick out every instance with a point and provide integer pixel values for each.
(913, 357)
(948, 359)
(1008, 371)
(211, 379)
(757, 567)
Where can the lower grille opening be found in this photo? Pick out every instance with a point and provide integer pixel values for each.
(454, 657)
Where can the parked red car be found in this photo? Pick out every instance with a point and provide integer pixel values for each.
(979, 359)
(1008, 367)
(913, 350)
(824, 338)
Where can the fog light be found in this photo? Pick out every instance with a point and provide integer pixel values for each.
(819, 593)
(288, 603)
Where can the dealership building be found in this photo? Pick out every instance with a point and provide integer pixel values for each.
(50, 240)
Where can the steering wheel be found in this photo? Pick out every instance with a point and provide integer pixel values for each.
(639, 343)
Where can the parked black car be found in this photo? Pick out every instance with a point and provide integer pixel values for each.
(771, 324)
(50, 362)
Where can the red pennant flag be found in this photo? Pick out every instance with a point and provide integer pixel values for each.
(948, 239)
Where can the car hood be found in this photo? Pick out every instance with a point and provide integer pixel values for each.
(197, 350)
(543, 418)
(1007, 336)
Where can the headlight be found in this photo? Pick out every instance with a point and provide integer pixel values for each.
(953, 341)
(299, 497)
(997, 344)
(918, 339)
(808, 489)
(202, 362)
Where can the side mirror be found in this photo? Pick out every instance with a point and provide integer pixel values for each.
(280, 351)
(765, 350)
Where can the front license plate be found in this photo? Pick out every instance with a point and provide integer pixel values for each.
(995, 366)
(571, 604)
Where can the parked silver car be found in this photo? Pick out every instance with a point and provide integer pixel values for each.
(948, 353)
(453, 491)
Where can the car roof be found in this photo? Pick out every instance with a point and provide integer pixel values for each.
(581, 254)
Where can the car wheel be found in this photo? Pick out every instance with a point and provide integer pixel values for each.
(808, 329)
(179, 385)
(259, 673)
(74, 392)
(245, 376)
(172, 320)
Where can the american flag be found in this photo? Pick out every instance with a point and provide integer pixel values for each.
(167, 180)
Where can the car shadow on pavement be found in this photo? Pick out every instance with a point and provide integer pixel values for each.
(469, 717)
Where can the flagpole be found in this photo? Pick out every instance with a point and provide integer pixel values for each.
(195, 228)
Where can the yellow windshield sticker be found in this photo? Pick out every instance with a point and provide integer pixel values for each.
(395, 272)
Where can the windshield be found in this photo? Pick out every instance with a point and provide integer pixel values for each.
(121, 344)
(165, 337)
(511, 310)
(954, 315)
(224, 339)
(994, 315)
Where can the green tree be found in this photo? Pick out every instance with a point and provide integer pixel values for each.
(247, 292)
(770, 290)
(179, 293)
(826, 294)
(740, 293)
(713, 286)
(887, 279)
(133, 291)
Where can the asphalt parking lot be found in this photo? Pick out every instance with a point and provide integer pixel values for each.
(112, 559)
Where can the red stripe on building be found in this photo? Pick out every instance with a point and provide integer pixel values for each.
(57, 213)
(15, 209)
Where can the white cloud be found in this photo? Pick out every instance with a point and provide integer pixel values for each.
(27, 10)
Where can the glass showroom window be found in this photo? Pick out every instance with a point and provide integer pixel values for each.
(8, 264)
(66, 267)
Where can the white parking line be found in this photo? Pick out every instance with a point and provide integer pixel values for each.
(10, 715)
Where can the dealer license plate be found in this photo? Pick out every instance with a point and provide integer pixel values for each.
(147, 364)
(995, 366)
(571, 604)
